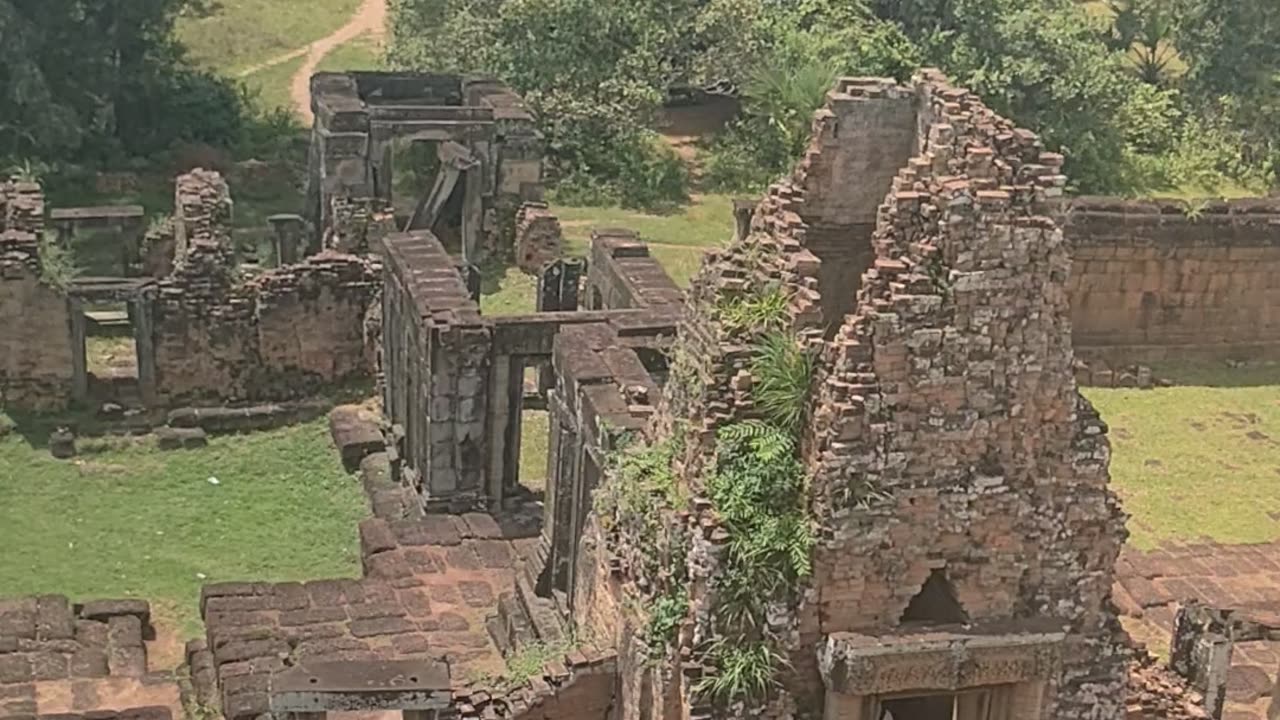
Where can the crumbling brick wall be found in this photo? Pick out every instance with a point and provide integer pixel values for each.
(284, 334)
(1162, 279)
(949, 432)
(538, 238)
(36, 365)
(946, 432)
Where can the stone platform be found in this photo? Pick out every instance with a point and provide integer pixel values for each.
(1245, 578)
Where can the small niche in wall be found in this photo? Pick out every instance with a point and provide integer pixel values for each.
(936, 603)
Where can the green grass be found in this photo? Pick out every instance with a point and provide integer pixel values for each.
(1198, 460)
(507, 290)
(705, 222)
(242, 33)
(534, 429)
(363, 53)
(134, 521)
(271, 83)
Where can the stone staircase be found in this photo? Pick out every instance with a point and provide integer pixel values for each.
(525, 618)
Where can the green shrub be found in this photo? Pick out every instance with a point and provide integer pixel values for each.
(744, 158)
(782, 370)
(760, 312)
(666, 614)
(744, 671)
(57, 265)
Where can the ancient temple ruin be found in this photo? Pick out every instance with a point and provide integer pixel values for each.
(847, 475)
(487, 154)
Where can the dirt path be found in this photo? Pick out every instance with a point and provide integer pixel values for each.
(371, 18)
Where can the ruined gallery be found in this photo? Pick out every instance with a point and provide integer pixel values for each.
(847, 475)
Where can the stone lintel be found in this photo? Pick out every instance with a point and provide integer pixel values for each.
(379, 685)
(936, 661)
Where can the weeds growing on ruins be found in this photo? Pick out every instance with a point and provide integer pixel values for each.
(896, 437)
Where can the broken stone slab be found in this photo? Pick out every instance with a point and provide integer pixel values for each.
(104, 610)
(170, 438)
(62, 444)
(356, 432)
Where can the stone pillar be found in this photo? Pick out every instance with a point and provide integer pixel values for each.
(1200, 651)
(288, 238)
(143, 334)
(79, 363)
(742, 211)
(506, 395)
(472, 214)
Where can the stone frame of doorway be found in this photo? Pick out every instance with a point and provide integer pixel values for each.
(1012, 667)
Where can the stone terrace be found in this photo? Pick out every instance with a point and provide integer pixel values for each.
(66, 660)
(1151, 585)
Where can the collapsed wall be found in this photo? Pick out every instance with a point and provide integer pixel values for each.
(36, 365)
(956, 480)
(1154, 280)
(283, 334)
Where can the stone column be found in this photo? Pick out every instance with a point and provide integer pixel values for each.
(79, 363)
(145, 347)
(288, 238)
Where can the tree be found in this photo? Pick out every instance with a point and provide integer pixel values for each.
(1145, 30)
(92, 79)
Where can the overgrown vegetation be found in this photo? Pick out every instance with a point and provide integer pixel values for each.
(752, 312)
(782, 370)
(57, 265)
(1141, 95)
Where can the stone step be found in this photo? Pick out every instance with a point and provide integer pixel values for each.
(547, 621)
(511, 628)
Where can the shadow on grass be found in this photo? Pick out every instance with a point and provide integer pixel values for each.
(36, 428)
(1219, 374)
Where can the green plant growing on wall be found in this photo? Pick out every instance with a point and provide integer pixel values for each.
(57, 266)
(745, 671)
(637, 508)
(1194, 209)
(782, 370)
(666, 613)
(756, 312)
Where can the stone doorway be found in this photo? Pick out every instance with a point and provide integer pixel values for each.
(113, 359)
(967, 705)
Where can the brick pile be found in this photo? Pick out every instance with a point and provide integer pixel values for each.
(358, 224)
(202, 226)
(539, 239)
(1157, 693)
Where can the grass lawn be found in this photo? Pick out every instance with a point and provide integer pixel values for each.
(676, 240)
(1198, 460)
(134, 521)
(271, 83)
(534, 433)
(363, 53)
(239, 34)
(707, 221)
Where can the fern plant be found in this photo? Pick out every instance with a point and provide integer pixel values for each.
(57, 266)
(782, 371)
